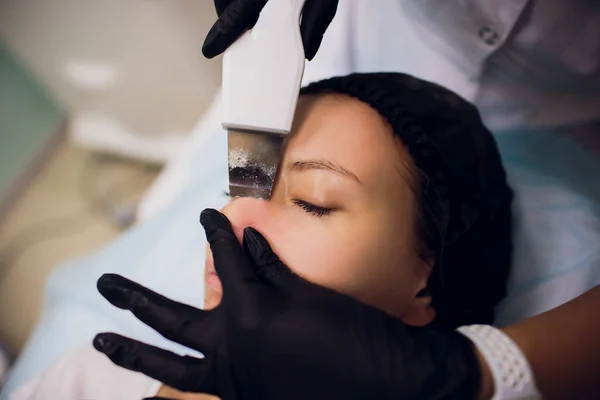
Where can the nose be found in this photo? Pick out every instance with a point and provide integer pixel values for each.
(245, 212)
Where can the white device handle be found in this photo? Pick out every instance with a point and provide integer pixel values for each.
(262, 71)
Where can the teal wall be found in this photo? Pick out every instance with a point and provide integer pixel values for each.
(28, 119)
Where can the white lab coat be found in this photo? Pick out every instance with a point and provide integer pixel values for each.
(523, 62)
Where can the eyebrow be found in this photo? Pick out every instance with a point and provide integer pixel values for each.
(304, 165)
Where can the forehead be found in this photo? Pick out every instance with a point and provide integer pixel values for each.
(348, 132)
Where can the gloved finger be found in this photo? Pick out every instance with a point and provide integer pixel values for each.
(231, 262)
(157, 398)
(176, 321)
(316, 17)
(186, 373)
(267, 265)
(221, 6)
(238, 16)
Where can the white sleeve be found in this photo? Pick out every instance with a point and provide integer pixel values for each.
(87, 374)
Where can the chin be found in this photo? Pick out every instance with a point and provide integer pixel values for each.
(212, 290)
(211, 299)
(212, 284)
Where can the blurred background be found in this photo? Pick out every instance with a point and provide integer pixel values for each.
(95, 96)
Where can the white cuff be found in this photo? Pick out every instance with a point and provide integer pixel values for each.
(512, 375)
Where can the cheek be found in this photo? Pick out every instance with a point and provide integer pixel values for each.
(352, 255)
(309, 246)
(348, 257)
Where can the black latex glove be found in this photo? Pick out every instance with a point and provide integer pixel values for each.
(277, 336)
(237, 16)
(157, 398)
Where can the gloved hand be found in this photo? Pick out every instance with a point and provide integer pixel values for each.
(277, 336)
(237, 16)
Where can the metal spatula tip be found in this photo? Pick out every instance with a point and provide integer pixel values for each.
(253, 160)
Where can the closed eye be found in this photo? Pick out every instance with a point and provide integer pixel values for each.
(311, 208)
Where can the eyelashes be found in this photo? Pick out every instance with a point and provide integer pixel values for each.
(311, 208)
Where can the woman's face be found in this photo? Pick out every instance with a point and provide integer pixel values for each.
(342, 213)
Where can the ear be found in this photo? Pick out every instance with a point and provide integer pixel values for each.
(419, 311)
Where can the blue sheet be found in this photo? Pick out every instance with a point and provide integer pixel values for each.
(557, 216)
(166, 253)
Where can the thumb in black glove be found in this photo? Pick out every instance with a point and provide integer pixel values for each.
(237, 16)
(277, 336)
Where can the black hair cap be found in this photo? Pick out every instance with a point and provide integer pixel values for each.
(463, 194)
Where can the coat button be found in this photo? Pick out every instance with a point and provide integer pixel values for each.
(489, 36)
